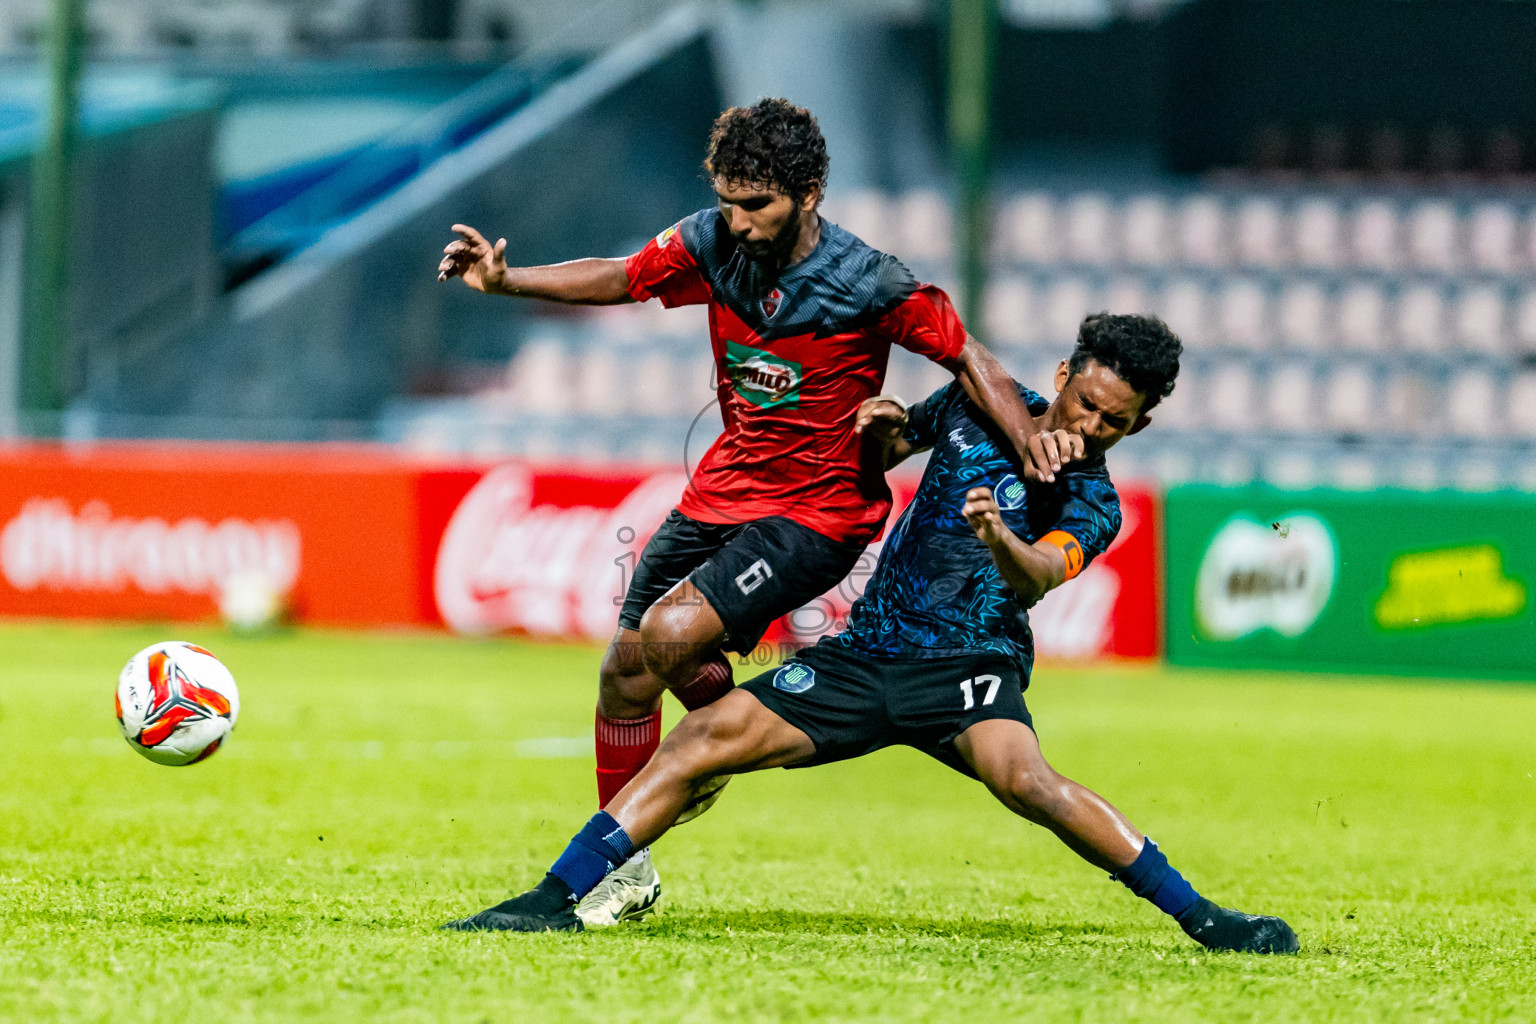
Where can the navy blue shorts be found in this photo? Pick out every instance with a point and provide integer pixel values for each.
(851, 703)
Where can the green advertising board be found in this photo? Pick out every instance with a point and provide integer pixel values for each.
(1381, 581)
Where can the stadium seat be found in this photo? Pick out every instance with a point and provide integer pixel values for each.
(539, 377)
(1412, 408)
(1144, 232)
(1258, 236)
(655, 391)
(1317, 233)
(927, 227)
(1088, 224)
(1521, 403)
(1182, 409)
(1375, 235)
(1524, 335)
(1068, 301)
(1472, 404)
(1182, 307)
(1010, 312)
(1303, 315)
(1492, 237)
(1230, 400)
(1361, 316)
(1202, 231)
(1244, 315)
(1421, 319)
(866, 213)
(1480, 319)
(1350, 399)
(1432, 231)
(1028, 228)
(1126, 295)
(1355, 472)
(1290, 399)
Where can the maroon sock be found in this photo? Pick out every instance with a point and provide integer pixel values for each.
(623, 747)
(714, 681)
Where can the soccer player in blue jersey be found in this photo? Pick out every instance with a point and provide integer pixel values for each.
(938, 651)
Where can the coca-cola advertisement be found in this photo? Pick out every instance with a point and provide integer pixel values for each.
(364, 536)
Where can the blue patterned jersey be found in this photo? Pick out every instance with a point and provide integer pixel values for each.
(936, 591)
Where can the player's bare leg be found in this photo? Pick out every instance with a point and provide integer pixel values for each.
(736, 734)
(677, 647)
(1006, 756)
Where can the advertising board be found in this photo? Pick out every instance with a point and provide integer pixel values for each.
(1380, 581)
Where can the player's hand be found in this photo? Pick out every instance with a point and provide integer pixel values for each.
(1049, 450)
(483, 266)
(880, 418)
(981, 511)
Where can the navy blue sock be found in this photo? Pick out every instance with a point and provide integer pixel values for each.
(600, 846)
(1150, 877)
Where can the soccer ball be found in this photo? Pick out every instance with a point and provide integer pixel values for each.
(176, 703)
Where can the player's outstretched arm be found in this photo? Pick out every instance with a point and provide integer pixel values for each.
(992, 388)
(483, 266)
(1030, 569)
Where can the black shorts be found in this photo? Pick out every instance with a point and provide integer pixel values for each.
(751, 573)
(851, 704)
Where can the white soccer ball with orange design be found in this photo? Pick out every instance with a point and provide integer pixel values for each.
(176, 703)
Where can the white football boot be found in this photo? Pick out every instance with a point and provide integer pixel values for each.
(627, 893)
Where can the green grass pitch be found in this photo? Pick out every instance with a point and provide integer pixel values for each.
(379, 785)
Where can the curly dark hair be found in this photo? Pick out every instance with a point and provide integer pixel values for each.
(772, 143)
(1141, 349)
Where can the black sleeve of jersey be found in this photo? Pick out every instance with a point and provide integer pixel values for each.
(924, 418)
(697, 230)
(894, 284)
(1090, 508)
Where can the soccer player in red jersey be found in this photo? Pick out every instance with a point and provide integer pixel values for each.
(802, 315)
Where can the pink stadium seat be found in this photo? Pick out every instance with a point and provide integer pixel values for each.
(1244, 315)
(1521, 404)
(1089, 229)
(1472, 404)
(1375, 235)
(1411, 406)
(1361, 317)
(1291, 399)
(1010, 311)
(1126, 295)
(1182, 409)
(540, 377)
(1202, 231)
(1421, 319)
(927, 228)
(1145, 233)
(1303, 315)
(1182, 307)
(1480, 317)
(1432, 236)
(1068, 301)
(1029, 230)
(1230, 400)
(1525, 324)
(1492, 237)
(1316, 227)
(1258, 236)
(1350, 400)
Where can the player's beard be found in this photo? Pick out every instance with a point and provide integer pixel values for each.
(775, 253)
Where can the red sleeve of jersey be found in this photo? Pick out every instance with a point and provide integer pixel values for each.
(666, 270)
(926, 323)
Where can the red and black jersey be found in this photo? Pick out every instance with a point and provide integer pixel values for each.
(795, 354)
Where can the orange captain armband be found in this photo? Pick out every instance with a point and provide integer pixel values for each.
(1071, 549)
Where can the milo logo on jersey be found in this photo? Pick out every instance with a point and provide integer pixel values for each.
(763, 378)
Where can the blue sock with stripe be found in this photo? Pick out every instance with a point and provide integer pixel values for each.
(600, 846)
(1151, 877)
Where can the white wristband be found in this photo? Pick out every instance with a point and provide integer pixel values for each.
(896, 400)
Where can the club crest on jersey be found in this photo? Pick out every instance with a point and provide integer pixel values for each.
(1009, 493)
(666, 236)
(772, 302)
(794, 678)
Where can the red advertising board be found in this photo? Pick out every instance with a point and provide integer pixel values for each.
(362, 536)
